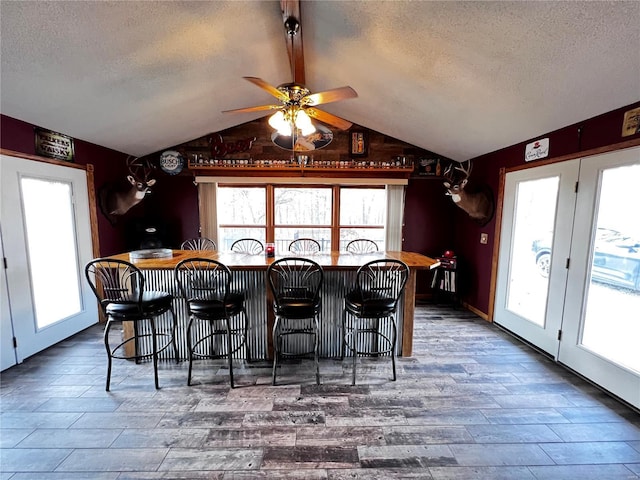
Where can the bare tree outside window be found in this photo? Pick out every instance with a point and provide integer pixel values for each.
(300, 212)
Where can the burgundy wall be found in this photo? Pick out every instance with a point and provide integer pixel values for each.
(432, 222)
(172, 206)
(600, 131)
(428, 222)
(173, 199)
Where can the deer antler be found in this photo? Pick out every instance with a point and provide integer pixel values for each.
(134, 166)
(465, 171)
(447, 171)
(478, 205)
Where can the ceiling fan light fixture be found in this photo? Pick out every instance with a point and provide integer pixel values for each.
(285, 122)
(303, 123)
(280, 123)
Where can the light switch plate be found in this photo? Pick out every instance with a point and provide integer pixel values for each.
(484, 238)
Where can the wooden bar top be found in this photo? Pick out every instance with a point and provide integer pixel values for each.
(242, 261)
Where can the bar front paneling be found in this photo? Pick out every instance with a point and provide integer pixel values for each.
(249, 276)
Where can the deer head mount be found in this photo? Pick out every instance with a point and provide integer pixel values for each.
(479, 204)
(117, 199)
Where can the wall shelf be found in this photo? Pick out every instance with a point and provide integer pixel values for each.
(283, 168)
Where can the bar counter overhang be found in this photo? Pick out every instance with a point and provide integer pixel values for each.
(249, 276)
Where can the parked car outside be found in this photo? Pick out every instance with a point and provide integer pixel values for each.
(616, 261)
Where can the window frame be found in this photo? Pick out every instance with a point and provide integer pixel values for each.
(245, 225)
(270, 226)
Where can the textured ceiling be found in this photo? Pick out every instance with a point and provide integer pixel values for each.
(457, 78)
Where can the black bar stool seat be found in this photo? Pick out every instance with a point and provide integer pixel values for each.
(295, 283)
(215, 312)
(372, 306)
(119, 287)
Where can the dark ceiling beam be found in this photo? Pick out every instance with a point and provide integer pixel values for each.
(291, 8)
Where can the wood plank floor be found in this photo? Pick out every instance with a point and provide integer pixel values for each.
(472, 403)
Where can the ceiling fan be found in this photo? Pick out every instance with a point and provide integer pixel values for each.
(297, 104)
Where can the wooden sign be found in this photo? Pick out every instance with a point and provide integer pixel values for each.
(220, 148)
(358, 143)
(53, 145)
(631, 122)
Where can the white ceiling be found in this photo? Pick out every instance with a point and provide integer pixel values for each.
(457, 78)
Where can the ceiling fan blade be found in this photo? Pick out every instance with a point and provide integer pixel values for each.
(268, 88)
(325, 117)
(328, 96)
(258, 108)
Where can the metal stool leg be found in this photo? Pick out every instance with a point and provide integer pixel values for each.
(354, 338)
(247, 348)
(393, 346)
(276, 348)
(229, 351)
(316, 346)
(344, 333)
(154, 343)
(174, 328)
(189, 350)
(108, 348)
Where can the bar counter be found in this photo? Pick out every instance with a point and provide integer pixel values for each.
(249, 273)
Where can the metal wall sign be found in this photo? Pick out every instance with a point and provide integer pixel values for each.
(53, 145)
(536, 150)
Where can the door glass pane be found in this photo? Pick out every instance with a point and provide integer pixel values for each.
(611, 327)
(51, 249)
(528, 281)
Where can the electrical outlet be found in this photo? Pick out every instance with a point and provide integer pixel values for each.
(484, 238)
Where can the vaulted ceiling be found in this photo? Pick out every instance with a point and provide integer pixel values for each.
(457, 78)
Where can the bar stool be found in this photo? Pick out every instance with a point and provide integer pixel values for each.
(205, 285)
(372, 304)
(119, 287)
(362, 245)
(249, 246)
(305, 246)
(295, 284)
(198, 243)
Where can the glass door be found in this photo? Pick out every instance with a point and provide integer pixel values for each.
(534, 247)
(46, 209)
(601, 326)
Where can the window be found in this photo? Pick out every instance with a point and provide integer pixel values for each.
(242, 213)
(302, 213)
(362, 215)
(331, 214)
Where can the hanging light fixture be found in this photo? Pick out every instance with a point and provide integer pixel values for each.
(292, 120)
(280, 123)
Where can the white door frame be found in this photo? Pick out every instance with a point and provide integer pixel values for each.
(621, 381)
(21, 318)
(544, 337)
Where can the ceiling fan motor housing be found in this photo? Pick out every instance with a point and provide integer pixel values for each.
(295, 92)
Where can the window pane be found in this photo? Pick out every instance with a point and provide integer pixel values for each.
(302, 206)
(535, 215)
(241, 206)
(362, 206)
(348, 234)
(228, 235)
(51, 236)
(610, 329)
(284, 236)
